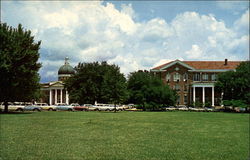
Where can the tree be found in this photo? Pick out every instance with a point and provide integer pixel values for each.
(149, 91)
(235, 85)
(18, 65)
(97, 82)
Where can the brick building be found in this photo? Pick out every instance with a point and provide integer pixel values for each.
(194, 80)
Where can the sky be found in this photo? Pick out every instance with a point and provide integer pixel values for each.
(135, 35)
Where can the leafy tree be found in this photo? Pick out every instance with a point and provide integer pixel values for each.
(236, 85)
(149, 91)
(97, 82)
(18, 65)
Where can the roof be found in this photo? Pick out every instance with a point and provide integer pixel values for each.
(66, 68)
(205, 65)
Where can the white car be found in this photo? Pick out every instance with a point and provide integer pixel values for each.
(197, 109)
(15, 106)
(104, 107)
(171, 108)
(183, 109)
(45, 106)
(64, 107)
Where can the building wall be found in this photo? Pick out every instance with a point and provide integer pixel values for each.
(185, 90)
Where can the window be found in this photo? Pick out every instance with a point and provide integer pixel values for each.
(185, 99)
(214, 77)
(186, 87)
(176, 77)
(168, 76)
(205, 77)
(196, 77)
(185, 77)
(178, 100)
(177, 87)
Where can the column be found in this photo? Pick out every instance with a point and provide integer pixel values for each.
(67, 97)
(61, 96)
(55, 96)
(213, 96)
(203, 96)
(193, 94)
(50, 97)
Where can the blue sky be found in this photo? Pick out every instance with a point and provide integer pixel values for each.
(132, 34)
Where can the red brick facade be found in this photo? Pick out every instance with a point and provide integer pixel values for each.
(194, 80)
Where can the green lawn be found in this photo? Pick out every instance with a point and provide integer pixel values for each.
(124, 135)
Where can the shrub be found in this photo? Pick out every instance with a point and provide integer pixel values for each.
(198, 104)
(227, 103)
(238, 103)
(208, 104)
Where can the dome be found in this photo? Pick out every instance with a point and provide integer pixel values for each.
(66, 68)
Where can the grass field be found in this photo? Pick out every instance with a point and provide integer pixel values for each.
(124, 135)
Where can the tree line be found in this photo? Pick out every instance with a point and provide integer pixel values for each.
(105, 83)
(96, 81)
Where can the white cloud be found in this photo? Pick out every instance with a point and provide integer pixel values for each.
(195, 52)
(91, 31)
(242, 24)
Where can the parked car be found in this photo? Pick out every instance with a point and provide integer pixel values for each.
(171, 108)
(197, 109)
(15, 106)
(183, 108)
(81, 108)
(208, 109)
(45, 106)
(32, 108)
(134, 109)
(121, 107)
(91, 107)
(104, 107)
(64, 107)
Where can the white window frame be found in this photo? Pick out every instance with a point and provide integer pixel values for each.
(214, 77)
(185, 76)
(196, 77)
(176, 77)
(168, 77)
(204, 77)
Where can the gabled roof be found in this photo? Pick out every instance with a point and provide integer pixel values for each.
(203, 65)
(52, 83)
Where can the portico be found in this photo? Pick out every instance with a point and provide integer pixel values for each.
(203, 86)
(55, 93)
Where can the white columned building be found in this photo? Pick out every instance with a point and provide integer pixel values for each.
(54, 92)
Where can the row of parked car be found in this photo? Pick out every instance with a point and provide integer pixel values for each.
(184, 108)
(19, 106)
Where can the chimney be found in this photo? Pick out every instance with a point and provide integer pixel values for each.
(225, 62)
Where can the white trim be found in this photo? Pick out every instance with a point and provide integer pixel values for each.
(50, 97)
(203, 96)
(203, 84)
(177, 62)
(193, 94)
(64, 75)
(155, 70)
(211, 70)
